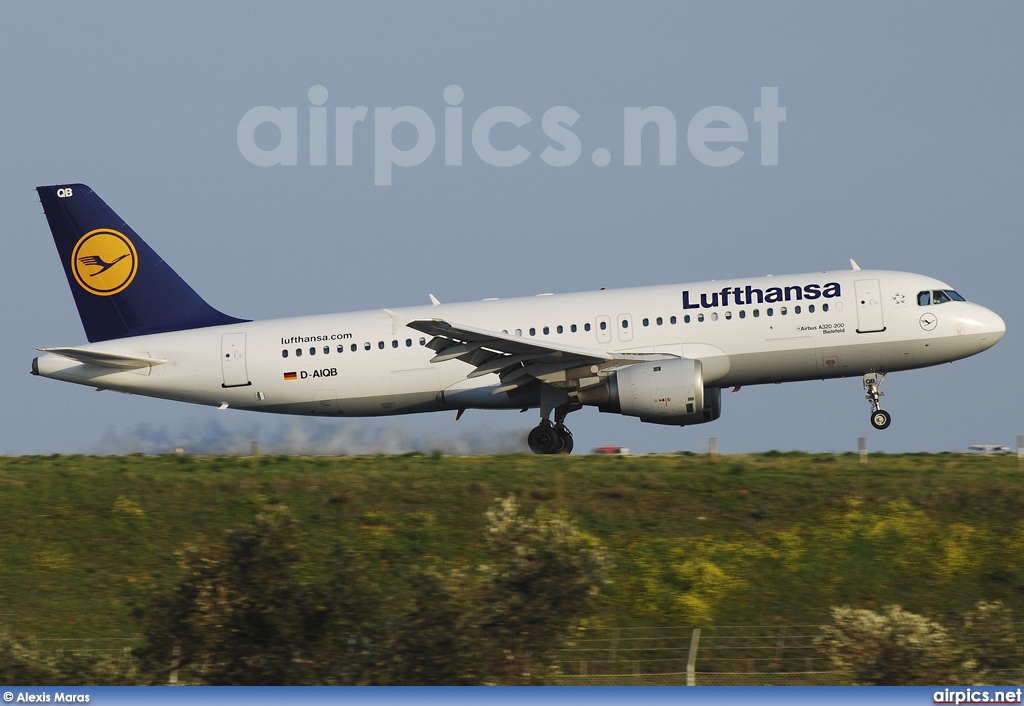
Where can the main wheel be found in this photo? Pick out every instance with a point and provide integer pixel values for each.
(544, 439)
(566, 437)
(881, 419)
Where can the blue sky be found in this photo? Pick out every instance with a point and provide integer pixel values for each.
(902, 148)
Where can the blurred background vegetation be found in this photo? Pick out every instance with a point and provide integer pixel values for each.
(440, 569)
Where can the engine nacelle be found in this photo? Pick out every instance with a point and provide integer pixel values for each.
(665, 392)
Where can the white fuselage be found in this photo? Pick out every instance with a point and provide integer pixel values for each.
(745, 332)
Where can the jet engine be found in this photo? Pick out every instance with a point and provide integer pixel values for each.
(663, 392)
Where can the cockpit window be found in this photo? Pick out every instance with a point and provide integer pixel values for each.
(938, 296)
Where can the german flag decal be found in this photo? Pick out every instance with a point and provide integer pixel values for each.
(291, 376)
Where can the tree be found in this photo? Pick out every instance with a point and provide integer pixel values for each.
(991, 642)
(505, 622)
(243, 612)
(894, 648)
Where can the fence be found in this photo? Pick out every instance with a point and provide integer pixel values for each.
(735, 655)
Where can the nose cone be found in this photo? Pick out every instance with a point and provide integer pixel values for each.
(991, 327)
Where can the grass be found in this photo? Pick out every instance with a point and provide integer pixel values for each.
(755, 539)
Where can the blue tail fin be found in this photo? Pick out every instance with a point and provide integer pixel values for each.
(122, 288)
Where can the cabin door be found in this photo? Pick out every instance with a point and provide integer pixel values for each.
(869, 306)
(232, 360)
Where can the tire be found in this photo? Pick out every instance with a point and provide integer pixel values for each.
(544, 439)
(566, 437)
(881, 419)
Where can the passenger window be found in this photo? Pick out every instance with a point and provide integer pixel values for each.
(796, 309)
(686, 319)
(546, 330)
(586, 327)
(659, 321)
(782, 310)
(519, 332)
(714, 316)
(394, 343)
(728, 315)
(672, 320)
(559, 329)
(700, 317)
(284, 353)
(366, 346)
(298, 352)
(341, 348)
(573, 328)
(743, 313)
(604, 325)
(312, 350)
(647, 322)
(824, 307)
(354, 348)
(625, 323)
(327, 349)
(423, 341)
(408, 343)
(757, 313)
(380, 344)
(770, 311)
(533, 332)
(810, 308)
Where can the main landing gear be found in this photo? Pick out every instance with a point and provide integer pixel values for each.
(880, 419)
(548, 438)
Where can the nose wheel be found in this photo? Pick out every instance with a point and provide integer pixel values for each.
(880, 419)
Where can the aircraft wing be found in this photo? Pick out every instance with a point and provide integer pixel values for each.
(104, 360)
(519, 361)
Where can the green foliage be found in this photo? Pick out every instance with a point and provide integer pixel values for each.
(542, 582)
(89, 538)
(435, 640)
(990, 642)
(893, 648)
(25, 662)
(245, 613)
(242, 613)
(505, 622)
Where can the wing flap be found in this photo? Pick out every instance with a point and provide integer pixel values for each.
(520, 361)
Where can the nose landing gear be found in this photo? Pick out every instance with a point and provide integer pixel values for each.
(880, 419)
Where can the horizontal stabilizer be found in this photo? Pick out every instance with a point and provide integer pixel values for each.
(105, 360)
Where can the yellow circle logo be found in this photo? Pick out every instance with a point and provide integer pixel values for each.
(104, 262)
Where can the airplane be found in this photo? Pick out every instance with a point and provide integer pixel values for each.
(662, 354)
